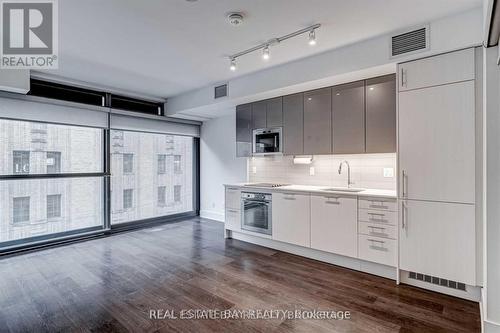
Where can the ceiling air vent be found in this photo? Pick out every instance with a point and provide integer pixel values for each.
(220, 91)
(410, 42)
(437, 281)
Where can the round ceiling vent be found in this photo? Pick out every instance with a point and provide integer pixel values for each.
(235, 19)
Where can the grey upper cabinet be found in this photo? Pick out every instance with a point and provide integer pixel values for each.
(268, 113)
(348, 114)
(381, 114)
(274, 112)
(318, 121)
(293, 124)
(244, 130)
(259, 114)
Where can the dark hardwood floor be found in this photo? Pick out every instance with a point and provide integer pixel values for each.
(111, 284)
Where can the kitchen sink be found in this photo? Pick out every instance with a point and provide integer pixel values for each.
(342, 189)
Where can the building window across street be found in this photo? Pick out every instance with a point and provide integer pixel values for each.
(53, 206)
(162, 200)
(21, 161)
(21, 209)
(53, 162)
(177, 193)
(128, 163)
(162, 164)
(128, 196)
(177, 164)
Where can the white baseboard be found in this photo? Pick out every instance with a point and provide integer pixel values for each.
(352, 263)
(491, 327)
(213, 215)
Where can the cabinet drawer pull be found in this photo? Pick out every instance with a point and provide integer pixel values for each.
(376, 241)
(376, 214)
(289, 198)
(232, 210)
(373, 227)
(332, 202)
(381, 206)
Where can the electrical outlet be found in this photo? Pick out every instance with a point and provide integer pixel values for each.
(311, 171)
(388, 172)
(254, 169)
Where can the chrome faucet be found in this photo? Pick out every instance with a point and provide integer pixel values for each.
(349, 182)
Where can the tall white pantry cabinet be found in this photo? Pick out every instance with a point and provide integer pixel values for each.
(437, 166)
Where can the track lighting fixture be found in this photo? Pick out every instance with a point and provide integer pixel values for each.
(232, 66)
(265, 53)
(274, 41)
(312, 37)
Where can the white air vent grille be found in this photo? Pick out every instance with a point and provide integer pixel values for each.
(437, 281)
(410, 42)
(220, 91)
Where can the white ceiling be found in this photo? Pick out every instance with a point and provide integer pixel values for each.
(166, 47)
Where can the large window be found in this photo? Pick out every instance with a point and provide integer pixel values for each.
(159, 161)
(33, 205)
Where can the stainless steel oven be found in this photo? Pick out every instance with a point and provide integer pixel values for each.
(256, 212)
(267, 141)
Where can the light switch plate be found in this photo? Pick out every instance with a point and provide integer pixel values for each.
(254, 169)
(388, 172)
(311, 171)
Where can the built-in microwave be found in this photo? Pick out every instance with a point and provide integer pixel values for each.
(267, 141)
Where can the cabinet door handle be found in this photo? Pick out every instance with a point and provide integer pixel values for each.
(332, 202)
(403, 180)
(403, 217)
(289, 197)
(232, 210)
(403, 77)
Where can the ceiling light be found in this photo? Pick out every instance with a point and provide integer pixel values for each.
(233, 65)
(371, 88)
(312, 37)
(265, 53)
(264, 47)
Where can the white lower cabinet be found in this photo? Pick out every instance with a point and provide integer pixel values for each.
(378, 249)
(334, 225)
(233, 218)
(291, 218)
(438, 239)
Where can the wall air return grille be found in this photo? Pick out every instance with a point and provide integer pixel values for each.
(220, 91)
(437, 281)
(410, 42)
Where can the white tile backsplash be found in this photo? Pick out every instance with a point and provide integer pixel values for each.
(367, 170)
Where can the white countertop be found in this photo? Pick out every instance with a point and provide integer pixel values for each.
(318, 189)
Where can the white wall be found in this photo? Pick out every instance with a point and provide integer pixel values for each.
(218, 164)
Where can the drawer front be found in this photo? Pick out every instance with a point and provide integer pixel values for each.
(378, 230)
(378, 216)
(377, 249)
(379, 204)
(233, 198)
(233, 218)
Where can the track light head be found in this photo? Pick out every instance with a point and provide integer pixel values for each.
(265, 53)
(312, 37)
(232, 65)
